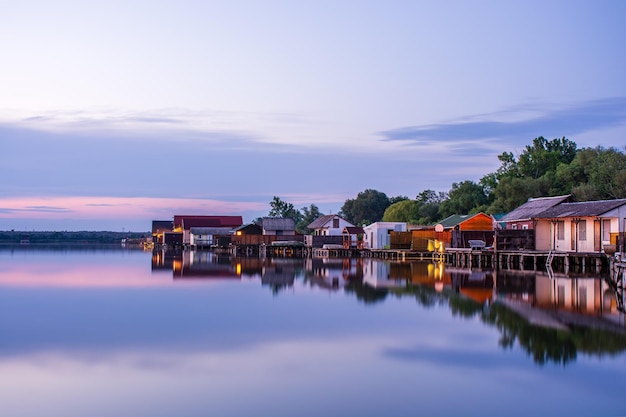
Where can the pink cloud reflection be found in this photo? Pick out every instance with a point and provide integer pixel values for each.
(72, 275)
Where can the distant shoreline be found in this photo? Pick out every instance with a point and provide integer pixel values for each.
(63, 237)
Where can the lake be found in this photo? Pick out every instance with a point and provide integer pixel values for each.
(92, 331)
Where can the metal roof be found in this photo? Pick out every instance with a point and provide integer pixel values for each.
(278, 223)
(321, 221)
(533, 207)
(582, 209)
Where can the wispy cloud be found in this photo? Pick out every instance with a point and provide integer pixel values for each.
(528, 122)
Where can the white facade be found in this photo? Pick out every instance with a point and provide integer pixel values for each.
(377, 234)
(330, 225)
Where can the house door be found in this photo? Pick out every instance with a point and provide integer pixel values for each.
(597, 236)
(573, 236)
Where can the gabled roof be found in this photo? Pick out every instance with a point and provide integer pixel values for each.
(278, 223)
(582, 209)
(534, 206)
(322, 221)
(250, 228)
(353, 230)
(454, 220)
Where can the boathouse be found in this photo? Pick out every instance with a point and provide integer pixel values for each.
(377, 235)
(184, 223)
(522, 218)
(329, 225)
(467, 227)
(159, 228)
(278, 226)
(585, 227)
(326, 230)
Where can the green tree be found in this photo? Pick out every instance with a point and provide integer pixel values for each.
(368, 207)
(464, 197)
(280, 208)
(402, 211)
(309, 214)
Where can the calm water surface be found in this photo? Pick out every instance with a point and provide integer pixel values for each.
(94, 332)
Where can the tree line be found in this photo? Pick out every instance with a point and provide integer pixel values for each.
(544, 168)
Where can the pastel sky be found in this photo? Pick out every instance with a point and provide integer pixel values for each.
(116, 113)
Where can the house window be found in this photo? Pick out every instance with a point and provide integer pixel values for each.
(335, 223)
(582, 230)
(524, 227)
(606, 230)
(560, 230)
(514, 226)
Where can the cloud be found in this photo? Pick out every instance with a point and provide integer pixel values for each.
(584, 117)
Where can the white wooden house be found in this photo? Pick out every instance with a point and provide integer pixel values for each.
(377, 235)
(580, 227)
(329, 225)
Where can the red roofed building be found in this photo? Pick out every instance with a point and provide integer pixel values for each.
(206, 225)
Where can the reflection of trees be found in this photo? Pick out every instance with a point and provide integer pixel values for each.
(463, 307)
(543, 344)
(365, 293)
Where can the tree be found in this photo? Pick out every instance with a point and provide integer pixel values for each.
(280, 208)
(368, 207)
(309, 214)
(401, 211)
(544, 156)
(463, 198)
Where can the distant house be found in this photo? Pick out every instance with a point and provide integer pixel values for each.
(581, 227)
(248, 229)
(278, 226)
(159, 228)
(327, 229)
(522, 217)
(377, 235)
(220, 225)
(329, 225)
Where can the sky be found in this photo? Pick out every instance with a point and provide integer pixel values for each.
(116, 113)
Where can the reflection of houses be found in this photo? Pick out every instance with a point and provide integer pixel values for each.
(326, 229)
(377, 274)
(377, 235)
(475, 284)
(333, 273)
(201, 264)
(280, 273)
(581, 227)
(582, 294)
(193, 264)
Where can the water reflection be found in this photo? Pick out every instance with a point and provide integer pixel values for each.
(550, 316)
(169, 334)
